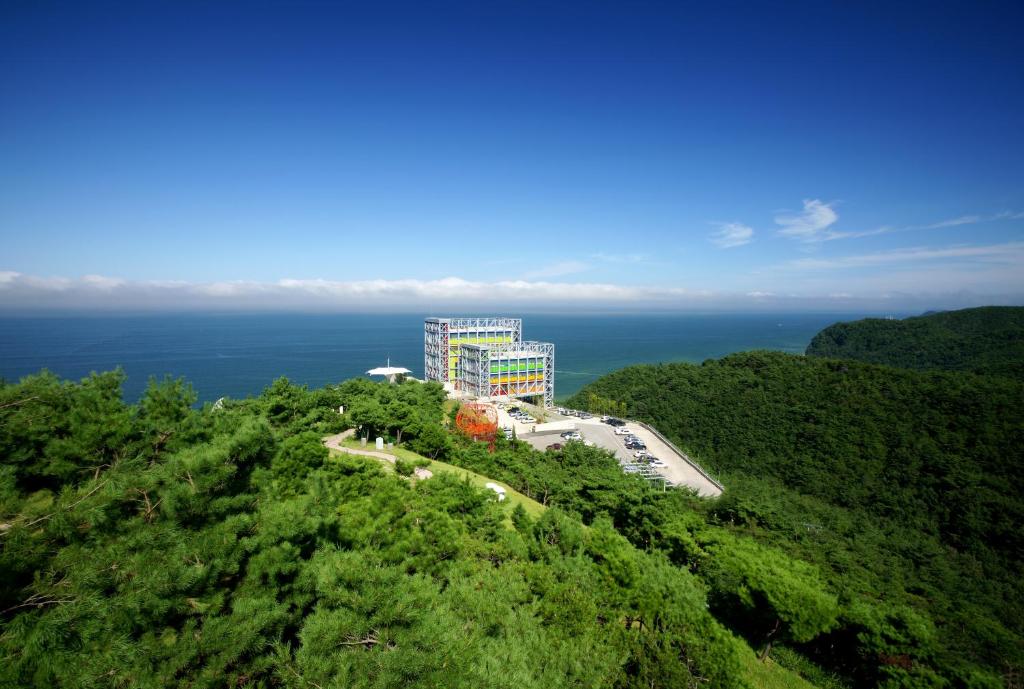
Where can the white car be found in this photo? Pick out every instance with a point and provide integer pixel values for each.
(621, 430)
(640, 454)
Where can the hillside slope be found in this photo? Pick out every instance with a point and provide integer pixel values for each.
(987, 340)
(157, 545)
(903, 485)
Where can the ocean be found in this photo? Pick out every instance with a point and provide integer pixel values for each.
(239, 355)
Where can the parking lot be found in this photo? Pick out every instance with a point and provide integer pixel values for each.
(522, 428)
(676, 468)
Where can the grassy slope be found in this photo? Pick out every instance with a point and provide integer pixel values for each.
(768, 675)
(512, 497)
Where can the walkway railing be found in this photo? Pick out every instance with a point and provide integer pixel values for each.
(697, 467)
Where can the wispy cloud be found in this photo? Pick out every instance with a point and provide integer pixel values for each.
(620, 258)
(20, 290)
(1009, 252)
(811, 224)
(23, 292)
(732, 234)
(831, 234)
(558, 269)
(952, 222)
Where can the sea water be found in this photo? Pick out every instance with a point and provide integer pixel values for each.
(239, 355)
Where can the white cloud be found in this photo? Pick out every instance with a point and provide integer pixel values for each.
(806, 287)
(554, 270)
(953, 222)
(732, 234)
(1009, 252)
(833, 234)
(810, 224)
(620, 258)
(942, 224)
(101, 282)
(19, 290)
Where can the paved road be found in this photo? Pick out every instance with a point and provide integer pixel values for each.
(677, 468)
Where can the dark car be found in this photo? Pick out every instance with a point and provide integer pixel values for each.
(554, 446)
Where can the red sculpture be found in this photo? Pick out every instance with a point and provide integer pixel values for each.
(478, 421)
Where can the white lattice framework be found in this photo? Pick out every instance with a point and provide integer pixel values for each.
(442, 338)
(517, 369)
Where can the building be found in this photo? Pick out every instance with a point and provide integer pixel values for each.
(486, 358)
(514, 369)
(442, 338)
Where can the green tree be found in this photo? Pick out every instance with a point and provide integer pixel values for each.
(771, 596)
(298, 456)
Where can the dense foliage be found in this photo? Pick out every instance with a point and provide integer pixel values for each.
(988, 340)
(903, 487)
(868, 537)
(156, 545)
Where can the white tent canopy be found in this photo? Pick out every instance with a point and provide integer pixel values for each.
(388, 371)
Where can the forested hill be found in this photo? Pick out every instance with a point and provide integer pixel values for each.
(988, 340)
(868, 536)
(905, 485)
(159, 545)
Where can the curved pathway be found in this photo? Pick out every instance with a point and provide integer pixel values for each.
(333, 442)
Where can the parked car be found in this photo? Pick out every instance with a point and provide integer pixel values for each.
(554, 446)
(621, 431)
(618, 423)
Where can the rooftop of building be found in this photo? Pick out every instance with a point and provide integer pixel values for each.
(513, 349)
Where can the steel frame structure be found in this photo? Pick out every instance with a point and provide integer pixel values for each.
(515, 369)
(442, 338)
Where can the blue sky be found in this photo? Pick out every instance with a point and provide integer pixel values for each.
(665, 155)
